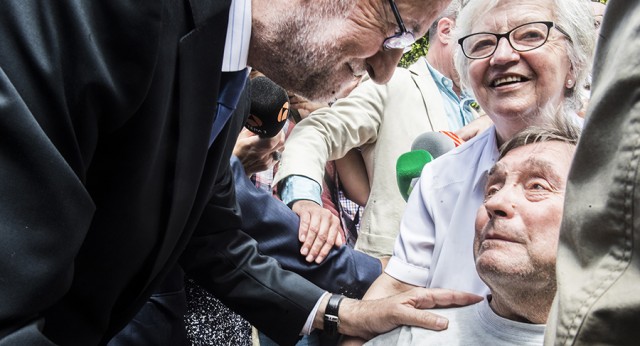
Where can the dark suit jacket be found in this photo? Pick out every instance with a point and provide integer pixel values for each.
(106, 178)
(275, 227)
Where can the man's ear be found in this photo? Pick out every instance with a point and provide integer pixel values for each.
(445, 28)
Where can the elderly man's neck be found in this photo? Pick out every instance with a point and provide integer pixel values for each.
(443, 62)
(527, 306)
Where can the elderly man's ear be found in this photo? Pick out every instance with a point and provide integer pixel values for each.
(445, 30)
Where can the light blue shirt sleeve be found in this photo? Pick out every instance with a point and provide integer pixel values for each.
(296, 187)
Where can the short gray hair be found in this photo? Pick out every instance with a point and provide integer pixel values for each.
(573, 16)
(450, 12)
(561, 128)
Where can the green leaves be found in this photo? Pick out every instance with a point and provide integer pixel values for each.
(418, 49)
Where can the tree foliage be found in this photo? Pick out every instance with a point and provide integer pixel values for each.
(418, 49)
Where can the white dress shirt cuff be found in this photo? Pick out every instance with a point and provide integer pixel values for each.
(308, 326)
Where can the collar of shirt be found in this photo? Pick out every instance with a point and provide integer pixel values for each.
(458, 108)
(236, 47)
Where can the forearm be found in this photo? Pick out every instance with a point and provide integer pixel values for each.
(275, 228)
(352, 173)
(329, 133)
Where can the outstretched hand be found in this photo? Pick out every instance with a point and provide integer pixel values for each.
(319, 230)
(368, 318)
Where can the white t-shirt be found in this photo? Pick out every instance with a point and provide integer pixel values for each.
(435, 244)
(475, 324)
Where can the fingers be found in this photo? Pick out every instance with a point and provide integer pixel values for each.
(474, 128)
(466, 134)
(305, 218)
(322, 231)
(319, 230)
(325, 240)
(425, 319)
(428, 298)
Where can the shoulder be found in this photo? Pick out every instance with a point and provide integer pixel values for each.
(466, 154)
(462, 163)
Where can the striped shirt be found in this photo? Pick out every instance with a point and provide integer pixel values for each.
(236, 46)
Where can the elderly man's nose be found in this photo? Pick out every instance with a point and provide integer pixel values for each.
(381, 65)
(500, 204)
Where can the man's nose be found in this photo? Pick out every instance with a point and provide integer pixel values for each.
(381, 65)
(501, 203)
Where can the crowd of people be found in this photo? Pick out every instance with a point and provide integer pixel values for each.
(198, 172)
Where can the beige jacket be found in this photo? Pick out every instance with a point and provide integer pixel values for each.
(381, 119)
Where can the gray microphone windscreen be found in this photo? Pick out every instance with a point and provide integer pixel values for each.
(435, 143)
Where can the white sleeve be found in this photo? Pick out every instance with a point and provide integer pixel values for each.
(413, 251)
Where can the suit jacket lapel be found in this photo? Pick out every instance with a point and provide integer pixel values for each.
(430, 95)
(200, 59)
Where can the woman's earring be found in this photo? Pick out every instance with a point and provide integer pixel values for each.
(569, 83)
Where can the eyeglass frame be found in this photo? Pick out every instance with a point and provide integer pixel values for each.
(507, 35)
(402, 34)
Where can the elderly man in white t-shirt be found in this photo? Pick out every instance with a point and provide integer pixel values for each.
(514, 247)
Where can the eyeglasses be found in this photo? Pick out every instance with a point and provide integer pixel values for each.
(522, 38)
(401, 40)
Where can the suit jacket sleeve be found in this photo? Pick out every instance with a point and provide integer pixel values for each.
(226, 261)
(275, 227)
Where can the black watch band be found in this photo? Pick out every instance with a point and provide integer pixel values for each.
(331, 319)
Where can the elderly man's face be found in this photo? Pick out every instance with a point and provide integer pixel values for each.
(320, 47)
(517, 227)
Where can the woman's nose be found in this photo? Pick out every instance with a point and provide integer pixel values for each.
(504, 53)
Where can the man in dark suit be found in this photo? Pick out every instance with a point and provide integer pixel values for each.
(115, 157)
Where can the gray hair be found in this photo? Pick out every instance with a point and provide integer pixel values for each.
(561, 128)
(450, 12)
(573, 16)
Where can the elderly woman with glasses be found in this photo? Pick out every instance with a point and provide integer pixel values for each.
(525, 60)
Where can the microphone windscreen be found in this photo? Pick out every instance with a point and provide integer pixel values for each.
(408, 169)
(269, 107)
(436, 143)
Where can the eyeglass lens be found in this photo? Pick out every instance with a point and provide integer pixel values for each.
(402, 39)
(523, 38)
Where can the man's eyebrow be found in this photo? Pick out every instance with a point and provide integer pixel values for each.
(495, 168)
(545, 168)
(494, 173)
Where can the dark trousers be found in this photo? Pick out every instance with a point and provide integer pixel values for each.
(161, 320)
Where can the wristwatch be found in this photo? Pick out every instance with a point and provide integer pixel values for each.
(331, 319)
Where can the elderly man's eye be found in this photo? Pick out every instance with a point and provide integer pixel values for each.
(539, 186)
(492, 190)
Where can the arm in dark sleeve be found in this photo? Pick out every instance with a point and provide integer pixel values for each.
(275, 227)
(45, 213)
(226, 261)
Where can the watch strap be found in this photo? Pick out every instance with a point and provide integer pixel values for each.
(331, 319)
